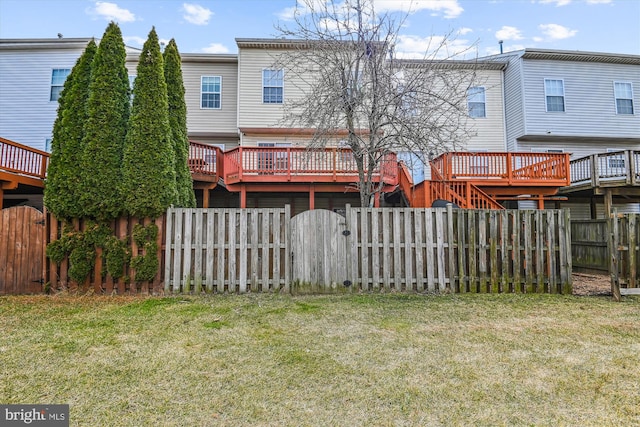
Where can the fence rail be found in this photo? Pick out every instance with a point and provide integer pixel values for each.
(408, 250)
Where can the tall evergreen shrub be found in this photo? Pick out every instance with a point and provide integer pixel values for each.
(62, 190)
(105, 129)
(178, 123)
(149, 179)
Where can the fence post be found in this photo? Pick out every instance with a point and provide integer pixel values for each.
(287, 244)
(613, 254)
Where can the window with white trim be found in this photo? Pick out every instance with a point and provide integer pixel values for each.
(476, 101)
(272, 86)
(210, 92)
(554, 93)
(623, 92)
(47, 145)
(58, 76)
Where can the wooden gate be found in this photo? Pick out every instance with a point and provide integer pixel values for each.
(22, 240)
(319, 252)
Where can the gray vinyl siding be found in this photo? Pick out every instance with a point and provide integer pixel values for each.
(590, 108)
(222, 120)
(514, 111)
(27, 115)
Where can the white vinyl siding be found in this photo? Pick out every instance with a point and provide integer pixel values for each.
(58, 77)
(210, 92)
(25, 92)
(623, 92)
(554, 95)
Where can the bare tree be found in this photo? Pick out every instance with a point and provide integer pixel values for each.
(343, 65)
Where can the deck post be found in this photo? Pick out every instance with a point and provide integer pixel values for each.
(243, 197)
(312, 197)
(608, 201)
(205, 198)
(540, 202)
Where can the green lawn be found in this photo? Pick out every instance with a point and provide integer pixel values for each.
(359, 360)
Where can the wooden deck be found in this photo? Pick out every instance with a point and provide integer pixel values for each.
(479, 180)
(605, 176)
(21, 165)
(470, 180)
(614, 169)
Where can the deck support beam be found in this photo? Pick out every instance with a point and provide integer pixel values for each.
(312, 197)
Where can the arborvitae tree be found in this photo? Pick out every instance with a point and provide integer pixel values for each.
(149, 179)
(105, 129)
(178, 123)
(62, 192)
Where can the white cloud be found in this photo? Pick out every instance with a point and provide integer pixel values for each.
(196, 14)
(433, 47)
(450, 8)
(112, 12)
(509, 33)
(463, 31)
(215, 48)
(558, 3)
(556, 32)
(133, 41)
(287, 14)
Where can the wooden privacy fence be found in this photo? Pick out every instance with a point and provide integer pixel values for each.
(589, 246)
(388, 249)
(57, 275)
(22, 241)
(624, 252)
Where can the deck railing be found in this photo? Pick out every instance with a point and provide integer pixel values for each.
(23, 160)
(205, 159)
(618, 166)
(504, 168)
(282, 164)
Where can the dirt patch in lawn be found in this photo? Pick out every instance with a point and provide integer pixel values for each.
(591, 284)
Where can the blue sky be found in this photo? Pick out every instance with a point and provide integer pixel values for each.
(212, 25)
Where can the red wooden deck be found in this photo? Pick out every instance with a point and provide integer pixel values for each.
(471, 180)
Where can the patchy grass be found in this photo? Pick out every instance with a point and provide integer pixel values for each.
(356, 360)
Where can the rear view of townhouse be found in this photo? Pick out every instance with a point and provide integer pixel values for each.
(585, 104)
(528, 113)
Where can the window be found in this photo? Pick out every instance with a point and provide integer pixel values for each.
(58, 76)
(554, 92)
(210, 92)
(615, 160)
(47, 145)
(272, 86)
(477, 102)
(624, 97)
